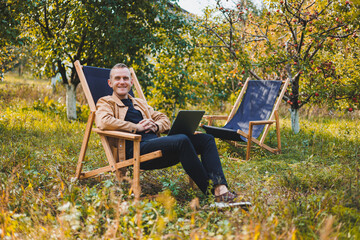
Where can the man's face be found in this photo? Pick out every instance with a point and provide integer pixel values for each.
(120, 81)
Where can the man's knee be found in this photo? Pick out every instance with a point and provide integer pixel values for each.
(204, 142)
(176, 142)
(207, 138)
(182, 138)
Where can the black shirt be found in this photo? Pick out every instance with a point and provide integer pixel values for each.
(135, 116)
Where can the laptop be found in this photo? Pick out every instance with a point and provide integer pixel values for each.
(186, 122)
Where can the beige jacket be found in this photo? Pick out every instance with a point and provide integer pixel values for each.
(111, 113)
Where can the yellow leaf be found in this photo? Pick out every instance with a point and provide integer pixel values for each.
(293, 237)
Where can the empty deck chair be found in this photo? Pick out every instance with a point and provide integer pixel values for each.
(254, 111)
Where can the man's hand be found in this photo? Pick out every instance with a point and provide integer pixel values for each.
(147, 125)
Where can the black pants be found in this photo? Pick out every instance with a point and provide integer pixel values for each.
(185, 149)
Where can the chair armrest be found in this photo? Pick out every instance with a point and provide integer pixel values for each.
(216, 117)
(211, 118)
(118, 134)
(262, 122)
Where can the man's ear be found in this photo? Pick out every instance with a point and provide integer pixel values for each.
(110, 83)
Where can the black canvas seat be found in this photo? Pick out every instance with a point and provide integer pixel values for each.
(255, 109)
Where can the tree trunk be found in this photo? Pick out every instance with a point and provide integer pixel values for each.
(71, 101)
(295, 125)
(20, 69)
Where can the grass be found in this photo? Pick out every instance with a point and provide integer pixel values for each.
(310, 191)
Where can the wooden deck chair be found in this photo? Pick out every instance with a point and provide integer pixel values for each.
(95, 86)
(255, 109)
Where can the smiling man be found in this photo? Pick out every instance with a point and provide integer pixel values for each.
(122, 112)
(120, 82)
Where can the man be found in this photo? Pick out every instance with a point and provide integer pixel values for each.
(124, 113)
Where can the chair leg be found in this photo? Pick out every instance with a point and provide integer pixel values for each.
(136, 180)
(84, 144)
(119, 173)
(248, 149)
(110, 157)
(278, 131)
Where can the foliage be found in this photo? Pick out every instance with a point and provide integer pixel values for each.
(171, 88)
(312, 43)
(102, 33)
(319, 33)
(9, 28)
(9, 33)
(96, 33)
(221, 61)
(310, 191)
(49, 106)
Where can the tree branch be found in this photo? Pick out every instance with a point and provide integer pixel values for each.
(213, 46)
(47, 22)
(254, 75)
(81, 45)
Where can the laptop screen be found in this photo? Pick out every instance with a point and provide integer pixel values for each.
(186, 122)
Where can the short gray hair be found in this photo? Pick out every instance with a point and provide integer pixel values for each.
(118, 65)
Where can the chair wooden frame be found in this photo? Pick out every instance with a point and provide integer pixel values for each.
(274, 118)
(116, 163)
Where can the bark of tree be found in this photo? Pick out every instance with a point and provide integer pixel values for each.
(71, 101)
(295, 124)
